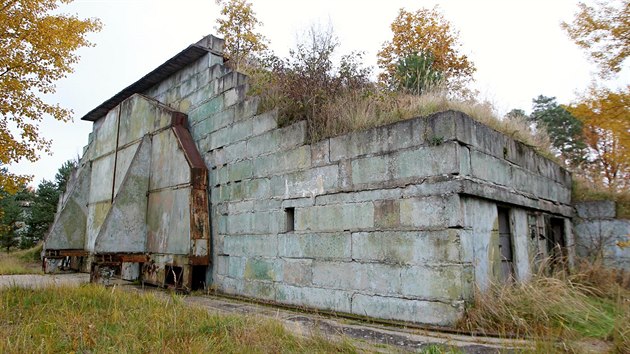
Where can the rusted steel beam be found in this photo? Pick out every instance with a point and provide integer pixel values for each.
(199, 213)
(134, 258)
(199, 260)
(121, 257)
(66, 253)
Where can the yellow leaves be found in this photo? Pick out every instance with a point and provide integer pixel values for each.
(603, 32)
(624, 244)
(37, 48)
(238, 28)
(424, 31)
(605, 115)
(11, 183)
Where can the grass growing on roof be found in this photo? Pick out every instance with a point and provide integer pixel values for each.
(107, 320)
(584, 191)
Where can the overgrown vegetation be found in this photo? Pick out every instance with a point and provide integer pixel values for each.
(95, 319)
(593, 302)
(425, 33)
(238, 25)
(424, 72)
(21, 262)
(337, 99)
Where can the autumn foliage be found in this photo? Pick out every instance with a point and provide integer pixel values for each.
(605, 116)
(602, 31)
(37, 48)
(238, 26)
(424, 32)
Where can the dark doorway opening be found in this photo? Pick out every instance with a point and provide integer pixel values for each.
(199, 277)
(505, 245)
(556, 242)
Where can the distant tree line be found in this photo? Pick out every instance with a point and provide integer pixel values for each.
(29, 213)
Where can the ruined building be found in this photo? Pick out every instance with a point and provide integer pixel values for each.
(185, 184)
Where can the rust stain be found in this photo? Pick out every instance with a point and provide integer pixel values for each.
(66, 253)
(199, 213)
(198, 260)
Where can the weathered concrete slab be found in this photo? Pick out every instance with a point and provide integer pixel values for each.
(139, 116)
(431, 212)
(309, 183)
(254, 245)
(353, 216)
(123, 161)
(431, 312)
(400, 247)
(102, 179)
(315, 246)
(604, 238)
(168, 221)
(69, 228)
(169, 167)
(479, 240)
(427, 161)
(336, 300)
(603, 209)
(97, 213)
(125, 229)
(105, 133)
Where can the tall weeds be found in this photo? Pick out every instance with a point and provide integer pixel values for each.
(592, 302)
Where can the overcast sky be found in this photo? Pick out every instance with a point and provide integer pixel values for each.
(518, 47)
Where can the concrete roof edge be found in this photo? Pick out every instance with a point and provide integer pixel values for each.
(166, 69)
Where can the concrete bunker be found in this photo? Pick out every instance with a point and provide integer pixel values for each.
(137, 207)
(397, 222)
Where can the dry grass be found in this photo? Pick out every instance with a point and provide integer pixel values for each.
(594, 302)
(21, 262)
(359, 111)
(94, 319)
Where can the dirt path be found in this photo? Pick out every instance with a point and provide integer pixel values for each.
(370, 336)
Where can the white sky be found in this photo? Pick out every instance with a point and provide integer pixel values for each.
(518, 47)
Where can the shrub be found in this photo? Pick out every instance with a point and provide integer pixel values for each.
(416, 74)
(301, 85)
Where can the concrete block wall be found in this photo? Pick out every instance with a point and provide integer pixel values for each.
(599, 233)
(371, 223)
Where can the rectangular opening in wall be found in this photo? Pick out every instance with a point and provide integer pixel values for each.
(290, 219)
(556, 245)
(505, 245)
(173, 276)
(199, 277)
